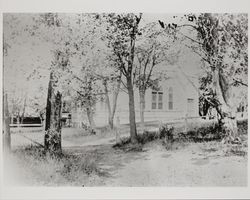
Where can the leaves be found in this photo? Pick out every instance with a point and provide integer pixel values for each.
(85, 49)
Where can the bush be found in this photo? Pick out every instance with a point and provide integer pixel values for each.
(147, 136)
(242, 127)
(143, 138)
(209, 133)
(123, 141)
(166, 132)
(197, 134)
(170, 135)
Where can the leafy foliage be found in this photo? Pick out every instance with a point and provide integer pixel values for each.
(152, 48)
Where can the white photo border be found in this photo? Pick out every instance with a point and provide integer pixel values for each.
(149, 6)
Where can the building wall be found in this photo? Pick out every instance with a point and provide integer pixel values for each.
(150, 114)
(184, 95)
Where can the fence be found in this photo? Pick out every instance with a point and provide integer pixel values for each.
(25, 125)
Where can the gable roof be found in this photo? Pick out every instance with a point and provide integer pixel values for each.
(175, 71)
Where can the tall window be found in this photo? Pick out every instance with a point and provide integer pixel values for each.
(190, 107)
(160, 100)
(154, 100)
(170, 99)
(157, 100)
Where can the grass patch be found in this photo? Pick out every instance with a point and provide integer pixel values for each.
(203, 134)
(237, 150)
(145, 137)
(172, 139)
(66, 168)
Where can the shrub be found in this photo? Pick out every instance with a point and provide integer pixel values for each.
(147, 136)
(123, 141)
(143, 138)
(166, 132)
(242, 127)
(200, 134)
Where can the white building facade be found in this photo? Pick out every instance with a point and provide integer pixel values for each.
(176, 99)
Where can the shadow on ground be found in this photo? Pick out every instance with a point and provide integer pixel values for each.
(107, 159)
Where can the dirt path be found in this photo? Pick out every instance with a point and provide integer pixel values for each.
(29, 138)
(182, 168)
(196, 164)
(189, 164)
(26, 139)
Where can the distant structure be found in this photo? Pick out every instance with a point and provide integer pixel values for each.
(176, 97)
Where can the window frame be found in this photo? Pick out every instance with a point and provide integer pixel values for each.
(170, 98)
(160, 102)
(156, 100)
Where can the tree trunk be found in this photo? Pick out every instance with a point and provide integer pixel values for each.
(205, 107)
(142, 106)
(222, 87)
(111, 111)
(226, 108)
(128, 72)
(110, 121)
(24, 106)
(52, 139)
(115, 96)
(133, 132)
(12, 119)
(6, 129)
(90, 116)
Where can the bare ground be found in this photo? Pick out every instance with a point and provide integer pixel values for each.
(195, 164)
(186, 164)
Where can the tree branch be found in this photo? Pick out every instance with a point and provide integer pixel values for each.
(123, 69)
(124, 85)
(189, 25)
(202, 57)
(240, 82)
(191, 38)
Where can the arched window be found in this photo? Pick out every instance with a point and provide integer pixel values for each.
(170, 99)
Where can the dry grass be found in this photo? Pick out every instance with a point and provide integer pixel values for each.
(82, 168)
(45, 169)
(173, 139)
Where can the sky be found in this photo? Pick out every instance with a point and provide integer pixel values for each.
(27, 53)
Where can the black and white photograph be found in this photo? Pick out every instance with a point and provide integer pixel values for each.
(125, 99)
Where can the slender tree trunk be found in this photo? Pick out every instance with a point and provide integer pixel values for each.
(133, 132)
(130, 63)
(112, 110)
(107, 103)
(24, 107)
(90, 116)
(6, 123)
(12, 119)
(52, 139)
(142, 106)
(115, 96)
